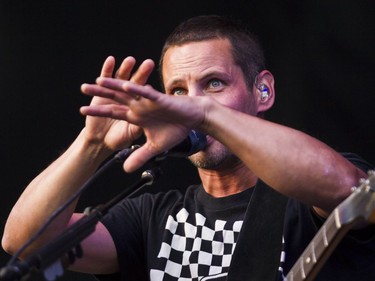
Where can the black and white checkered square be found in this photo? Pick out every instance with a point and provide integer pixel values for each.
(192, 249)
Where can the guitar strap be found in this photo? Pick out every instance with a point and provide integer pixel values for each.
(258, 249)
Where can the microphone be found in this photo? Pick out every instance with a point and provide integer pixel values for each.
(194, 142)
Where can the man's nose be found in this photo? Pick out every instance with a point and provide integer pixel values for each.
(195, 92)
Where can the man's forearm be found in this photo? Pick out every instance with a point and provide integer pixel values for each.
(48, 191)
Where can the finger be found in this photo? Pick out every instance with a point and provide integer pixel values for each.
(129, 88)
(116, 85)
(108, 67)
(139, 158)
(146, 91)
(125, 68)
(110, 83)
(143, 72)
(104, 92)
(114, 111)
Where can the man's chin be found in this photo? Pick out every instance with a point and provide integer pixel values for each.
(213, 161)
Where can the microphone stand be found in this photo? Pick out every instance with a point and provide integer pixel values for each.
(51, 256)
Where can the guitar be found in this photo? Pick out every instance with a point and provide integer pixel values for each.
(358, 209)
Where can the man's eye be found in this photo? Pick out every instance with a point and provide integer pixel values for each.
(178, 92)
(215, 83)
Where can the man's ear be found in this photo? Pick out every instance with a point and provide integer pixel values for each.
(264, 91)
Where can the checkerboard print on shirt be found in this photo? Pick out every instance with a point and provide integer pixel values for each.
(194, 250)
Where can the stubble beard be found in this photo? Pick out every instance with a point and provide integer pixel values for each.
(215, 158)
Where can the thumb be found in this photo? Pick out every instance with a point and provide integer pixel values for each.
(139, 158)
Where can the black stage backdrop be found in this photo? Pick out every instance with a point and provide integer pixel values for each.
(321, 53)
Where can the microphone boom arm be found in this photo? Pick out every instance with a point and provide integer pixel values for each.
(68, 242)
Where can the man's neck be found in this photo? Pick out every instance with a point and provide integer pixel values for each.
(225, 182)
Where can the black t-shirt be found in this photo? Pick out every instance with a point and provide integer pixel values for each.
(192, 236)
(173, 236)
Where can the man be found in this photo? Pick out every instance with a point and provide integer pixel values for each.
(215, 82)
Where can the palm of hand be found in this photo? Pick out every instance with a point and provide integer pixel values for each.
(115, 134)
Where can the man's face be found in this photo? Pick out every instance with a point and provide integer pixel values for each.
(207, 68)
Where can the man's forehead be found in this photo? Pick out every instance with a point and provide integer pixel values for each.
(197, 56)
(219, 44)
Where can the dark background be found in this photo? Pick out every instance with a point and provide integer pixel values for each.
(321, 53)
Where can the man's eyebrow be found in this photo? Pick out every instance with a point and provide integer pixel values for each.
(220, 74)
(174, 82)
(203, 77)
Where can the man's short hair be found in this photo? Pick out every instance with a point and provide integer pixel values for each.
(246, 50)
